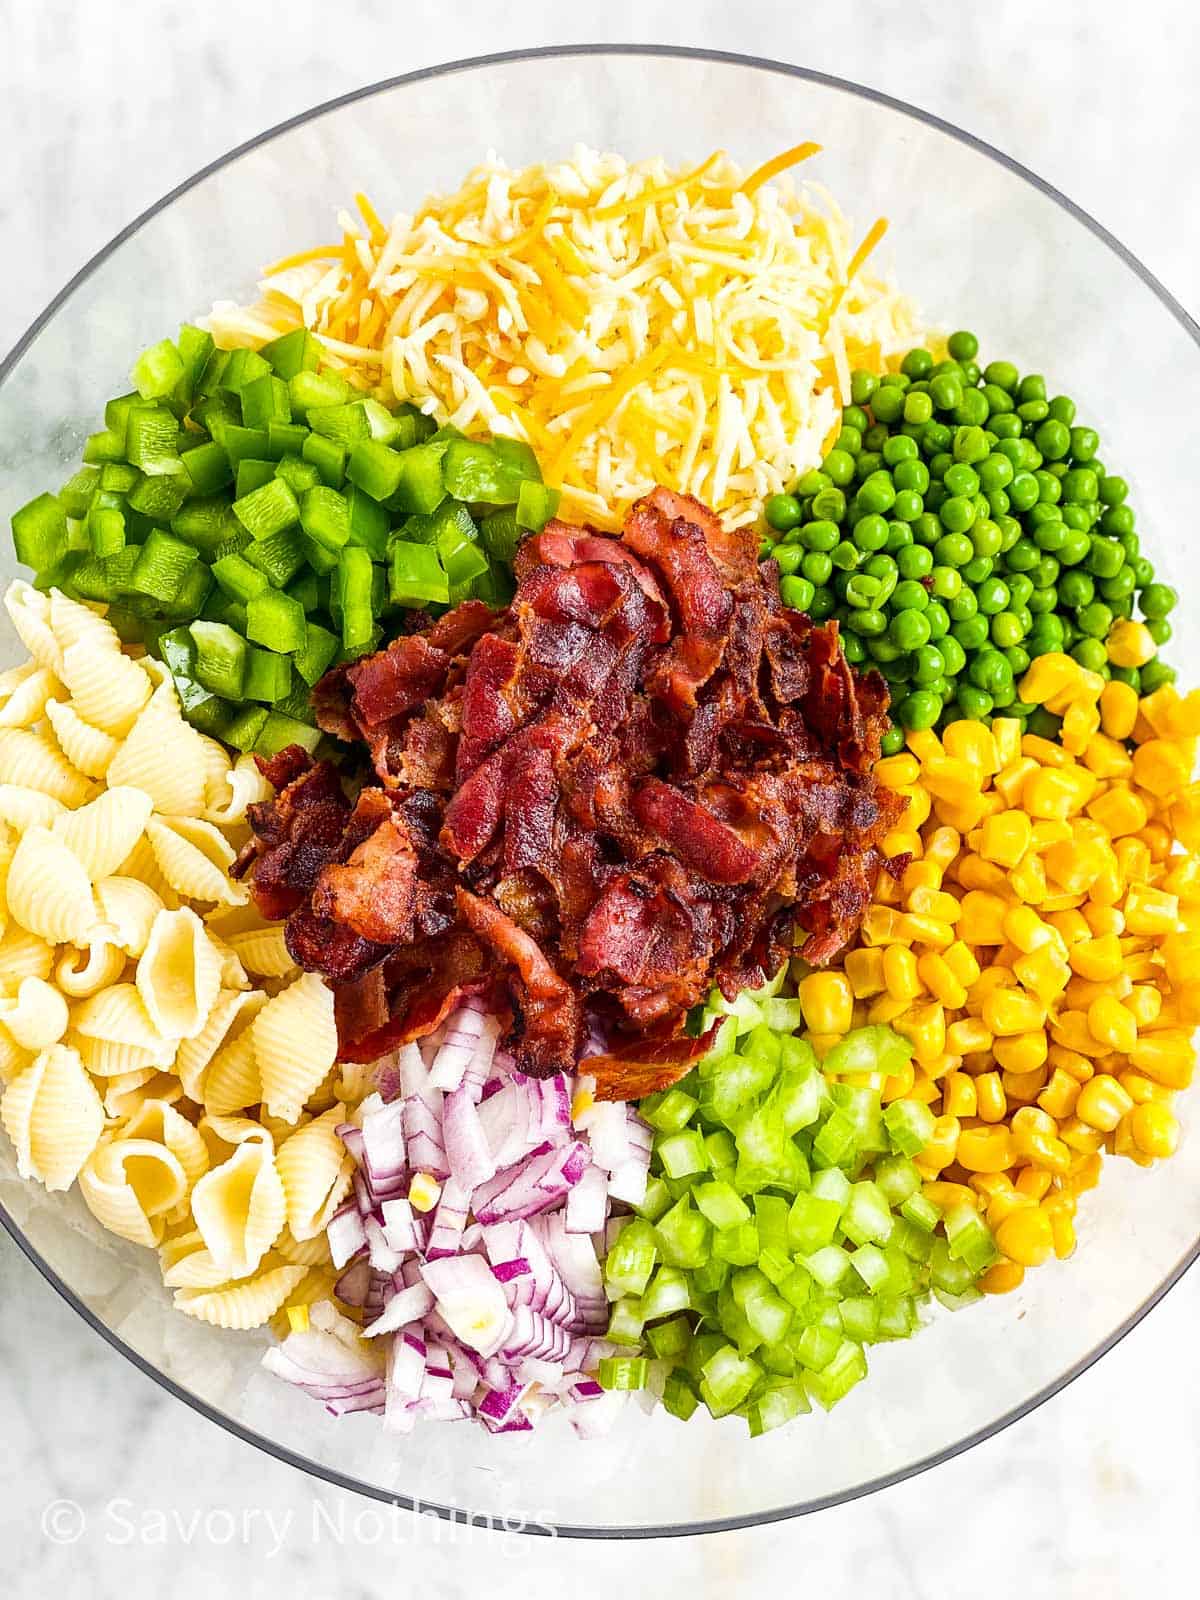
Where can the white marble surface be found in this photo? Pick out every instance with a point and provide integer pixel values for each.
(103, 107)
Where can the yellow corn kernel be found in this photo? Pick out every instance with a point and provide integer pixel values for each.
(940, 980)
(1122, 1143)
(1168, 1057)
(1058, 1098)
(990, 1098)
(1107, 758)
(985, 1149)
(1141, 1089)
(424, 1192)
(1026, 929)
(1084, 1173)
(898, 1084)
(948, 779)
(1070, 1028)
(1005, 837)
(1103, 920)
(1074, 864)
(1006, 731)
(1102, 1103)
(1034, 1183)
(1178, 716)
(827, 1001)
(968, 1036)
(1112, 1024)
(964, 814)
(1043, 972)
(916, 813)
(921, 874)
(1062, 1229)
(982, 919)
(958, 1094)
(1161, 766)
(901, 843)
(1182, 878)
(864, 969)
(973, 743)
(1048, 675)
(1026, 1237)
(1079, 726)
(925, 1028)
(1155, 1130)
(1118, 709)
(886, 1008)
(1002, 1277)
(1097, 959)
(972, 872)
(1071, 1062)
(887, 890)
(1108, 885)
(944, 1195)
(913, 928)
(1003, 1205)
(942, 845)
(1081, 992)
(933, 902)
(879, 925)
(923, 1088)
(1045, 752)
(1022, 1088)
(1013, 1011)
(960, 958)
(900, 975)
(1009, 782)
(1159, 840)
(1080, 1137)
(1071, 926)
(1133, 858)
(924, 743)
(1129, 644)
(942, 1144)
(1031, 1121)
(1028, 879)
(1150, 911)
(897, 772)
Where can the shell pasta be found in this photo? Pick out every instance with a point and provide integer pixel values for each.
(146, 1011)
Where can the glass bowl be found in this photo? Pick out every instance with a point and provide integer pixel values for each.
(979, 242)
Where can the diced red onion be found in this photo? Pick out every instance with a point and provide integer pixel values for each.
(466, 1143)
(628, 1181)
(423, 1133)
(469, 1034)
(587, 1203)
(383, 1256)
(535, 1185)
(346, 1235)
(384, 1155)
(405, 1306)
(449, 1220)
(507, 1270)
(351, 1136)
(399, 1228)
(470, 1300)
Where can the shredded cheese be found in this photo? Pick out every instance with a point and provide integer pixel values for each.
(634, 323)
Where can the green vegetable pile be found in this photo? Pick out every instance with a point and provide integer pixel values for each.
(253, 520)
(962, 524)
(784, 1227)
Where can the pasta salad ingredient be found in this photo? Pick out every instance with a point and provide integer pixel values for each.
(157, 1044)
(961, 526)
(251, 519)
(592, 807)
(785, 1223)
(469, 1246)
(636, 324)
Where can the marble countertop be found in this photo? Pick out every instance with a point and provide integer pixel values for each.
(110, 1490)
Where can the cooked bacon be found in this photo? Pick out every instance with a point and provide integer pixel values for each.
(645, 1065)
(645, 778)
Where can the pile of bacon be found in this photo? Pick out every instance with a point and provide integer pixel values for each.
(646, 776)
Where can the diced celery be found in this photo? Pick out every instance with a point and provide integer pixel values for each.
(666, 1294)
(838, 1377)
(737, 1243)
(626, 1321)
(812, 1223)
(683, 1235)
(779, 1404)
(727, 1380)
(909, 1125)
(622, 1372)
(897, 1178)
(917, 1209)
(683, 1153)
(771, 1219)
(679, 1397)
(631, 1260)
(816, 1346)
(669, 1111)
(829, 1265)
(970, 1238)
(669, 1340)
(867, 1217)
(721, 1204)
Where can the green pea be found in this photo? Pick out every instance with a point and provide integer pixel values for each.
(1003, 697)
(1044, 724)
(907, 506)
(1049, 627)
(853, 649)
(882, 650)
(1070, 633)
(1049, 487)
(821, 535)
(1053, 439)
(957, 514)
(1080, 485)
(870, 532)
(977, 570)
(1005, 426)
(1117, 520)
(910, 595)
(883, 569)
(1127, 675)
(1020, 587)
(970, 445)
(1042, 600)
(962, 605)
(844, 556)
(1073, 549)
(875, 438)
(963, 345)
(898, 448)
(828, 504)
(998, 502)
(887, 403)
(1156, 674)
(1157, 601)
(1131, 545)
(850, 439)
(867, 623)
(972, 410)
(973, 703)
(854, 416)
(918, 408)
(995, 472)
(867, 462)
(1121, 605)
(822, 604)
(782, 512)
(953, 655)
(1159, 630)
(810, 483)
(899, 536)
(928, 663)
(789, 557)
(877, 493)
(1050, 535)
(986, 538)
(1023, 557)
(862, 591)
(940, 465)
(1018, 659)
(766, 549)
(998, 400)
(1032, 387)
(892, 742)
(1113, 489)
(1033, 411)
(1105, 557)
(917, 363)
(839, 467)
(1076, 589)
(953, 550)
(993, 596)
(972, 633)
(927, 530)
(1143, 571)
(919, 710)
(935, 437)
(862, 386)
(946, 391)
(1057, 469)
(1003, 374)
(908, 630)
(915, 562)
(945, 582)
(1062, 409)
(1023, 490)
(796, 593)
(1006, 630)
(938, 618)
(961, 479)
(911, 476)
(817, 567)
(1090, 653)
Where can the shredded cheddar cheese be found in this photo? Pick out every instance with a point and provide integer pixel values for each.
(636, 324)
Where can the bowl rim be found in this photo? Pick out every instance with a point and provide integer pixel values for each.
(272, 1447)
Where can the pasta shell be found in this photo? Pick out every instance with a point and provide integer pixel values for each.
(25, 702)
(178, 974)
(130, 908)
(240, 1208)
(108, 689)
(28, 808)
(89, 749)
(29, 612)
(233, 973)
(232, 1013)
(49, 891)
(263, 951)
(232, 1082)
(118, 1016)
(103, 833)
(13, 1060)
(76, 623)
(106, 1058)
(312, 1252)
(129, 1185)
(243, 1305)
(194, 857)
(23, 955)
(37, 1018)
(240, 788)
(53, 1116)
(162, 756)
(158, 1121)
(315, 1168)
(196, 1269)
(295, 1040)
(34, 761)
(123, 1096)
(81, 972)
(178, 1243)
